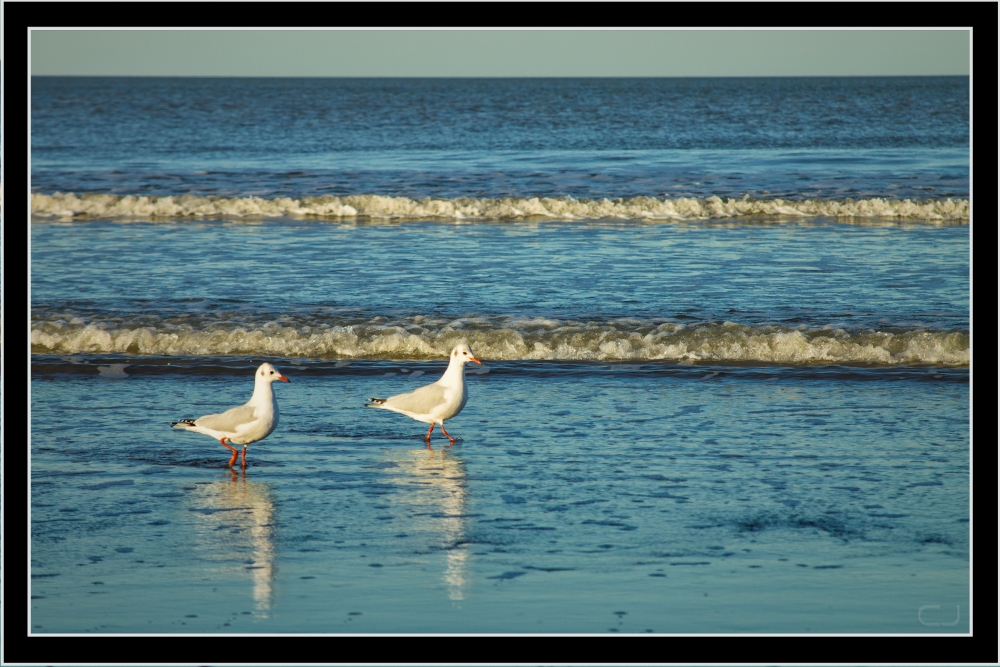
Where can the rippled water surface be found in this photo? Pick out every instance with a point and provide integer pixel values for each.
(801, 294)
(818, 272)
(793, 137)
(579, 499)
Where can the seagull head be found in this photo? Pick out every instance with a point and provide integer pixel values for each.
(268, 373)
(463, 353)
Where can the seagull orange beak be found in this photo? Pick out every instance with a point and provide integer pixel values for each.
(283, 378)
(476, 360)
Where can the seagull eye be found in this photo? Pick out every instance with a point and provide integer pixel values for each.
(272, 372)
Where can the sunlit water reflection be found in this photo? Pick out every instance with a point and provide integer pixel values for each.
(235, 527)
(436, 485)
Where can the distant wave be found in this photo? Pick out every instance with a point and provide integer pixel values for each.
(501, 338)
(69, 206)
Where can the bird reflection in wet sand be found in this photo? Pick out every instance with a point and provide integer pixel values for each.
(236, 528)
(437, 496)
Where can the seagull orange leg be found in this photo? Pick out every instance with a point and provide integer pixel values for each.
(428, 436)
(232, 449)
(244, 456)
(446, 434)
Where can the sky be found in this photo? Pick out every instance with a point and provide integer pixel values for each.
(499, 53)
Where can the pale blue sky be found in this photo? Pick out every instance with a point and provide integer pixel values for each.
(476, 53)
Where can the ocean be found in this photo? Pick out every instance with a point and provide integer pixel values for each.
(725, 327)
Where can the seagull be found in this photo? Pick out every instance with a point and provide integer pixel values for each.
(247, 423)
(436, 402)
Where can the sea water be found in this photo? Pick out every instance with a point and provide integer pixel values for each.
(725, 326)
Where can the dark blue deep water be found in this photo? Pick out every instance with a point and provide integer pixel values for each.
(784, 137)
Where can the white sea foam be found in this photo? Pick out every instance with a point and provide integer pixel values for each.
(507, 339)
(69, 206)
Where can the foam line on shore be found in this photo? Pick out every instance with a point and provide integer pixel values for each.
(70, 206)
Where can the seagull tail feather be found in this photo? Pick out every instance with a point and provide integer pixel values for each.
(375, 403)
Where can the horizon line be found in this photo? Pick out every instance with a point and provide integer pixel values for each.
(501, 76)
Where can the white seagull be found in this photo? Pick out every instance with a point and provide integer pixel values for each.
(247, 423)
(435, 402)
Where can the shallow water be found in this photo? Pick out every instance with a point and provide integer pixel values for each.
(581, 498)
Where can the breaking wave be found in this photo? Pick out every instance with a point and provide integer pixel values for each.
(69, 206)
(501, 338)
